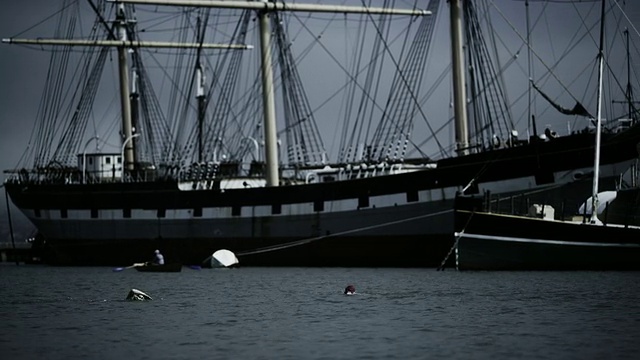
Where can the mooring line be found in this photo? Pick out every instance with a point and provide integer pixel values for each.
(310, 240)
(458, 235)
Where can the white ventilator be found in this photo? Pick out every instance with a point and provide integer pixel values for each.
(223, 258)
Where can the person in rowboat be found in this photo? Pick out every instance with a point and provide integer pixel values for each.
(158, 259)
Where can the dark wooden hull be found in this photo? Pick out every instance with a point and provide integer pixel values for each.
(489, 241)
(174, 267)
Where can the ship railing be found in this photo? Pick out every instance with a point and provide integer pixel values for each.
(622, 125)
(50, 175)
(202, 175)
(360, 171)
(529, 205)
(72, 175)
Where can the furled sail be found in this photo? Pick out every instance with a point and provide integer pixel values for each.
(578, 109)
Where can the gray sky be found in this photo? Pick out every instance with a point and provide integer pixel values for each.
(23, 70)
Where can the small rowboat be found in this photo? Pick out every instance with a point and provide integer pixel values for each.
(173, 267)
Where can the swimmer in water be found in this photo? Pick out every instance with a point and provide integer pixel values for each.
(350, 290)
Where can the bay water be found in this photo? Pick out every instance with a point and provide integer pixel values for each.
(301, 313)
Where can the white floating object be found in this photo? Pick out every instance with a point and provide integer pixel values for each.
(223, 258)
(137, 295)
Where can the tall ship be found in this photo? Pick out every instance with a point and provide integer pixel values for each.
(230, 154)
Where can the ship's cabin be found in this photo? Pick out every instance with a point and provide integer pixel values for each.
(100, 166)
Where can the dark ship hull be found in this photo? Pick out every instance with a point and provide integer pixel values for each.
(489, 241)
(403, 220)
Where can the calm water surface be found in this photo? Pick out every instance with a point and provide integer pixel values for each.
(301, 313)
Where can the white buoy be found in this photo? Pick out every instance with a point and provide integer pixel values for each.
(223, 258)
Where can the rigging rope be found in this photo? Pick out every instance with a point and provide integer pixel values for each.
(304, 143)
(341, 233)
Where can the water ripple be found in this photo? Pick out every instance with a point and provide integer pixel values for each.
(293, 313)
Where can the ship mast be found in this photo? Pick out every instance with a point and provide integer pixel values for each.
(629, 90)
(200, 97)
(596, 161)
(125, 104)
(457, 62)
(630, 104)
(264, 7)
(202, 105)
(269, 106)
